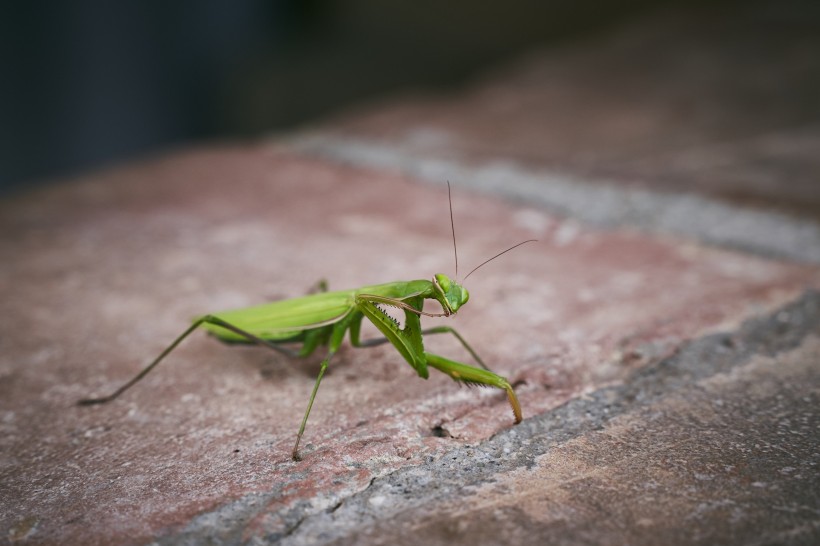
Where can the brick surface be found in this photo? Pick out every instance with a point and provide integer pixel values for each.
(717, 446)
(722, 101)
(661, 334)
(107, 270)
(666, 124)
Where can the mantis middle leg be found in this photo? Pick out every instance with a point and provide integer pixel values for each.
(430, 331)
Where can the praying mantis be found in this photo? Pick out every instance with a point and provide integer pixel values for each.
(323, 319)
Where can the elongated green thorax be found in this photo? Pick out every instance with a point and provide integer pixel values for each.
(450, 294)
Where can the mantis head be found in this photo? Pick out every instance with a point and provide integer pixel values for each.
(451, 295)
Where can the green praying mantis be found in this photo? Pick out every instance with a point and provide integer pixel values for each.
(323, 319)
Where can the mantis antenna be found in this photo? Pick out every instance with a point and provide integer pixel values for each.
(452, 225)
(455, 248)
(485, 262)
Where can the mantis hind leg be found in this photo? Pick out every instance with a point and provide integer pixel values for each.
(475, 376)
(197, 323)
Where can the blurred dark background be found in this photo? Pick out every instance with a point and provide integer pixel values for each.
(89, 82)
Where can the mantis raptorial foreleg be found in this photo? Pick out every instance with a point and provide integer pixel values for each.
(408, 341)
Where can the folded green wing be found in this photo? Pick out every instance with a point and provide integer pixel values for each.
(286, 319)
